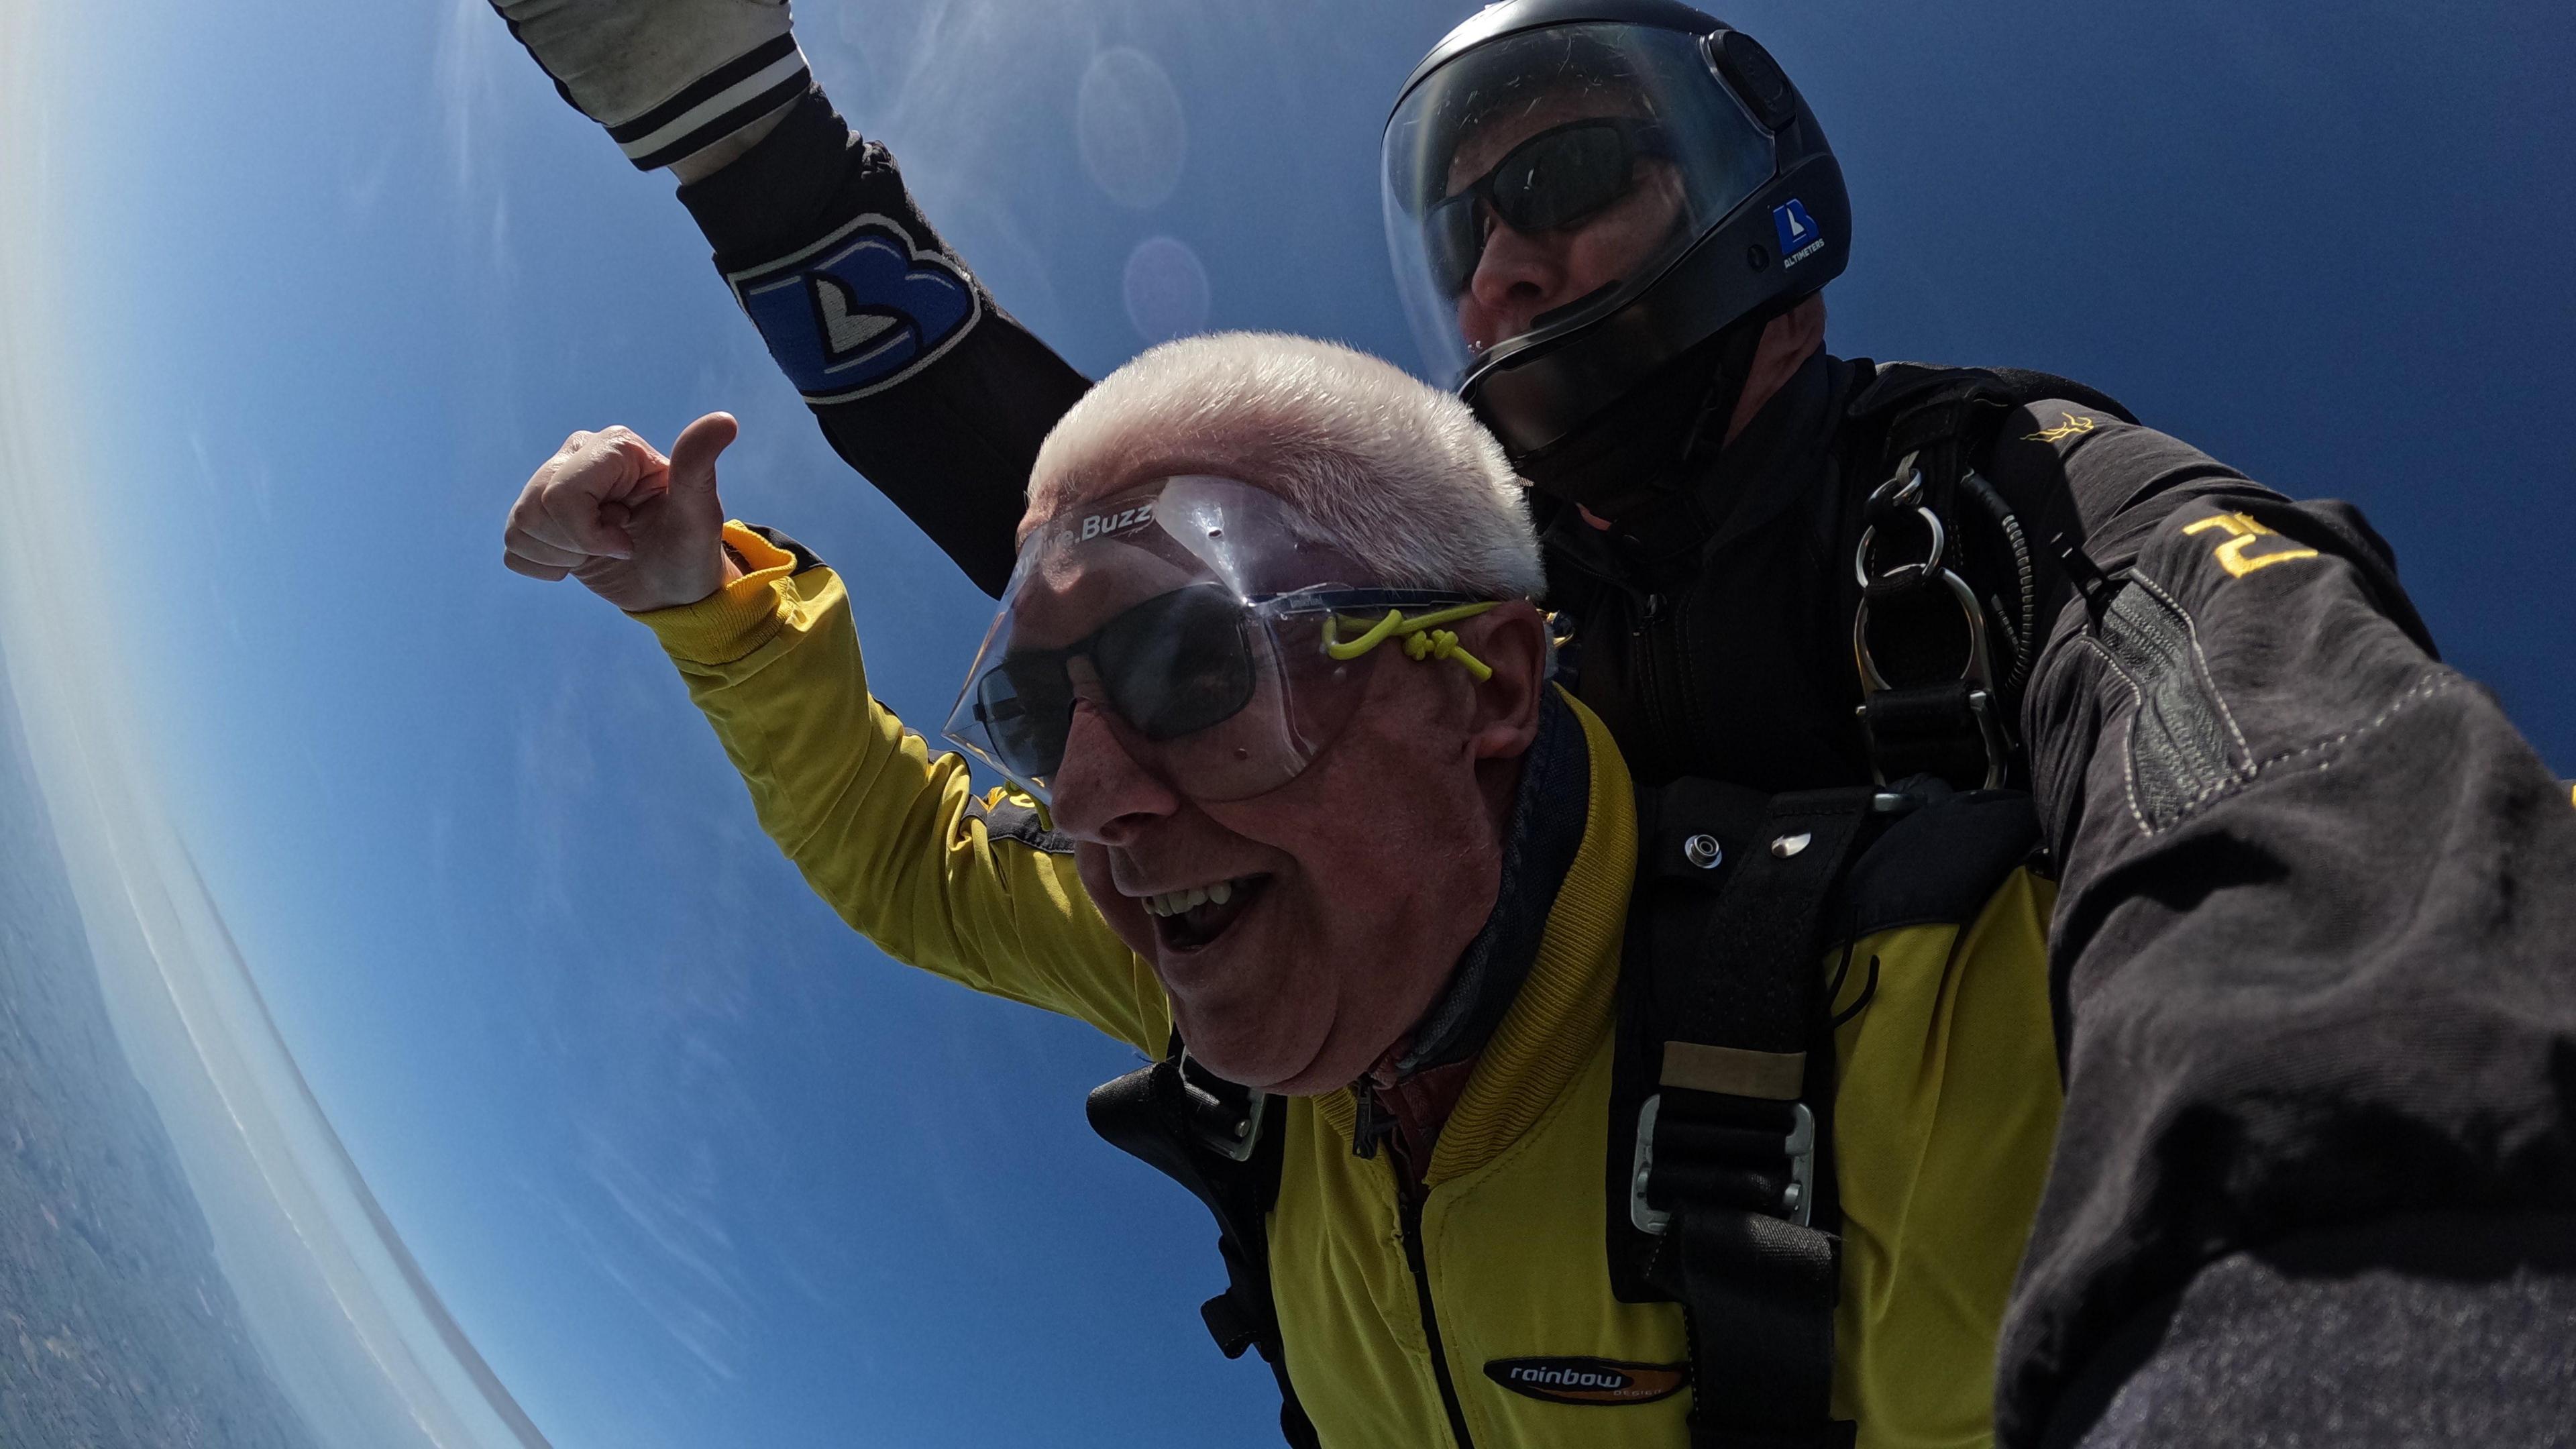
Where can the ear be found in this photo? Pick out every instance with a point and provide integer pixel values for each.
(1513, 642)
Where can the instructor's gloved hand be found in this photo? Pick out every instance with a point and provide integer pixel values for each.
(668, 78)
(638, 529)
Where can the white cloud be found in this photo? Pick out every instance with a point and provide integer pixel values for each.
(467, 76)
(663, 1244)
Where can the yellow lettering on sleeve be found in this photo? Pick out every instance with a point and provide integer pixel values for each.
(2242, 533)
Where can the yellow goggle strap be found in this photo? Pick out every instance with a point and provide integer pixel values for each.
(1422, 639)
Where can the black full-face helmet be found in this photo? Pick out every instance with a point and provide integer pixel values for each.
(1578, 192)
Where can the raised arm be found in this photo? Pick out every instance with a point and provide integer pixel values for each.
(919, 379)
(887, 832)
(2316, 997)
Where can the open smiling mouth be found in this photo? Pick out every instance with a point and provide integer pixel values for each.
(1187, 920)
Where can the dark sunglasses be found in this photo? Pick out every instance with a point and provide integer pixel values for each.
(1555, 178)
(1174, 665)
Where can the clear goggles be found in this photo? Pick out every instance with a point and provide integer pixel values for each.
(1627, 129)
(1221, 645)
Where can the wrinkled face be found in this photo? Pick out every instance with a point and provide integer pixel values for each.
(1300, 932)
(1521, 276)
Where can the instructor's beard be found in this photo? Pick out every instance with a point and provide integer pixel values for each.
(1654, 441)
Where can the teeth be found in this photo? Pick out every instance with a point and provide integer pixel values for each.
(1173, 903)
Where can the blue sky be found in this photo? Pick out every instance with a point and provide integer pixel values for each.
(688, 1161)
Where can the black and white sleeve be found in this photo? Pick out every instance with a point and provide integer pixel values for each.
(921, 382)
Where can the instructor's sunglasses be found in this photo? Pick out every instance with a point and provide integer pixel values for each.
(1554, 179)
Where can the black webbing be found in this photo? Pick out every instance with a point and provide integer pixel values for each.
(1763, 937)
(1154, 1114)
(1939, 422)
(1732, 961)
(1760, 1292)
(1928, 729)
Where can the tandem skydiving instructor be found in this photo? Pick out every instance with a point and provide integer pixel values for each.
(2309, 989)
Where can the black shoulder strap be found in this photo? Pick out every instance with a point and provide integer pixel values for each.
(1939, 862)
(1224, 1143)
(1723, 1100)
(1897, 388)
(1948, 569)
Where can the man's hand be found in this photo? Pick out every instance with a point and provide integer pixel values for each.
(638, 529)
(668, 78)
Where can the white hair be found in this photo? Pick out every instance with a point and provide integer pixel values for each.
(1397, 475)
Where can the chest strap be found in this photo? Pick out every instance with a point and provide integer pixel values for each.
(1729, 1198)
(1226, 1144)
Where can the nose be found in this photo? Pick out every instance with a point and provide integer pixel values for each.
(1100, 793)
(1517, 277)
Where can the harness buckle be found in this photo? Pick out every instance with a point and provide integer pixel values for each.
(1978, 675)
(1898, 496)
(1215, 1120)
(1797, 1200)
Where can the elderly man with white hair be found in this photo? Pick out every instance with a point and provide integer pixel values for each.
(1290, 785)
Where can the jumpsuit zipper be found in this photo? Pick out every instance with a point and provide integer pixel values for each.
(1661, 669)
(1689, 698)
(1409, 1205)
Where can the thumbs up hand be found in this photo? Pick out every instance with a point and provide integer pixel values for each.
(639, 529)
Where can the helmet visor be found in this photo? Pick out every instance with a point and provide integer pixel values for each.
(1539, 181)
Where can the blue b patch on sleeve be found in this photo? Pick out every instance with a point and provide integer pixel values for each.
(859, 311)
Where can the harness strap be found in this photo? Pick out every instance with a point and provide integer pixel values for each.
(1732, 1177)
(1760, 1294)
(1226, 1144)
(1953, 730)
(1937, 693)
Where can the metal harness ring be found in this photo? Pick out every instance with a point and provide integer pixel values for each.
(1905, 575)
(1978, 673)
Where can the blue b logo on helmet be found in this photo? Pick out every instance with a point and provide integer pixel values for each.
(1799, 234)
(859, 311)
